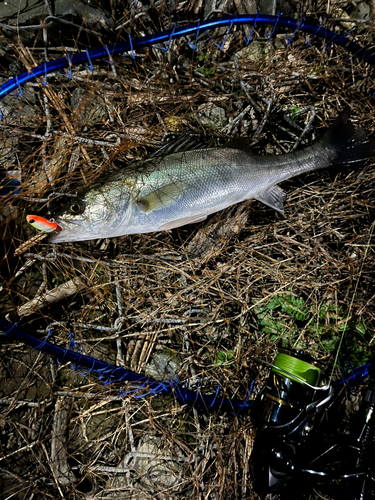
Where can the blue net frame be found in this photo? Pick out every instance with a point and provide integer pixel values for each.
(111, 374)
(193, 29)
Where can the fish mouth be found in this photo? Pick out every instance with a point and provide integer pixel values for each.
(68, 231)
(57, 228)
(72, 231)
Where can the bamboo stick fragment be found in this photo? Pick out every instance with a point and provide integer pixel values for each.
(54, 296)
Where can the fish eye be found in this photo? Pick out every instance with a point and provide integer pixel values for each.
(77, 207)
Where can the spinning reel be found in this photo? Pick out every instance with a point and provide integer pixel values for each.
(297, 444)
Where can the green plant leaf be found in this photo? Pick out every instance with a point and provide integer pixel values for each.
(295, 307)
(274, 303)
(294, 111)
(224, 357)
(324, 324)
(361, 328)
(330, 345)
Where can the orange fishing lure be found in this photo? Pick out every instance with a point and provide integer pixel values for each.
(42, 224)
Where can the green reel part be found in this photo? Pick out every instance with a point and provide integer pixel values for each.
(305, 371)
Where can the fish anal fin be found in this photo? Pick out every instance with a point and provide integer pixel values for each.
(182, 222)
(274, 198)
(161, 197)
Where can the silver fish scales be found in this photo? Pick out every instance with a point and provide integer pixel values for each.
(181, 188)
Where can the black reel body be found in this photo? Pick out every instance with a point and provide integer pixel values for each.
(298, 441)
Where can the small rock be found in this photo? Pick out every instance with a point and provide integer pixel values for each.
(17, 8)
(257, 51)
(156, 472)
(96, 19)
(22, 13)
(166, 364)
(211, 116)
(361, 12)
(340, 13)
(88, 109)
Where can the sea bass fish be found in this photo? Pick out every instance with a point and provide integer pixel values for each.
(170, 191)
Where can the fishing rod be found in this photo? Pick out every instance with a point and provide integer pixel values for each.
(128, 47)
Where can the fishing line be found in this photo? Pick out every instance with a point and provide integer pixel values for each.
(194, 29)
(351, 304)
(309, 374)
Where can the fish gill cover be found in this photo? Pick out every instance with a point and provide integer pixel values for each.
(195, 303)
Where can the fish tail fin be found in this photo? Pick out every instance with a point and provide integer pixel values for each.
(345, 143)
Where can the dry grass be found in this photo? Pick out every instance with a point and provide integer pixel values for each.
(191, 291)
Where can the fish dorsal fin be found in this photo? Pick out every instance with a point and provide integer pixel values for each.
(161, 197)
(274, 198)
(242, 143)
(180, 144)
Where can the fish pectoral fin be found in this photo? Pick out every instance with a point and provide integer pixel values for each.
(274, 198)
(161, 197)
(182, 222)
